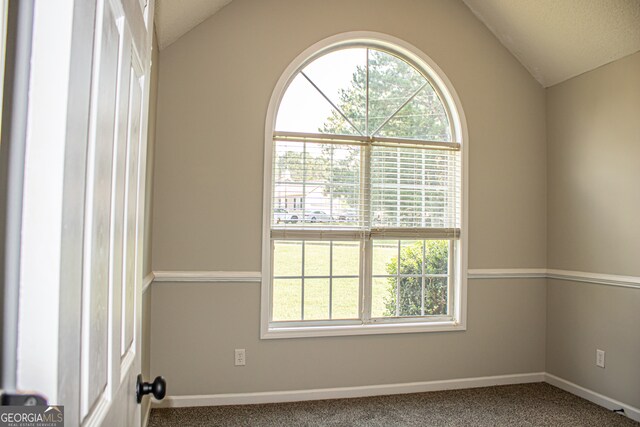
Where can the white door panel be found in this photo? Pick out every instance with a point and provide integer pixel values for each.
(119, 199)
(132, 182)
(96, 289)
(113, 42)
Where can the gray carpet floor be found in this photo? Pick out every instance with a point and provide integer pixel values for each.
(537, 404)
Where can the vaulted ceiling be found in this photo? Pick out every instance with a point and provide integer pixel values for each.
(554, 39)
(174, 18)
(559, 39)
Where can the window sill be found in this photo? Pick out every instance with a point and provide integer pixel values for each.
(368, 329)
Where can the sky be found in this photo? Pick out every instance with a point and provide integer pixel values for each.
(303, 108)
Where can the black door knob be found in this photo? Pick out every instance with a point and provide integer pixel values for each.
(158, 388)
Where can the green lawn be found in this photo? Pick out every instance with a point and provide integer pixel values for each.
(287, 292)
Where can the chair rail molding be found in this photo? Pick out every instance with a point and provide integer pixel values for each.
(597, 278)
(565, 275)
(205, 276)
(507, 273)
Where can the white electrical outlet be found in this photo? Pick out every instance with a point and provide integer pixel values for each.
(600, 358)
(241, 359)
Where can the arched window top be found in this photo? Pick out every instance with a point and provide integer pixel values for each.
(367, 91)
(364, 226)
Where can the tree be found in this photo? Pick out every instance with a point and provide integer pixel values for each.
(290, 166)
(436, 258)
(392, 82)
(402, 104)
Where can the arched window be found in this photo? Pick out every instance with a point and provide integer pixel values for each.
(364, 139)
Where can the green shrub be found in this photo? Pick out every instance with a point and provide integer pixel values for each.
(436, 257)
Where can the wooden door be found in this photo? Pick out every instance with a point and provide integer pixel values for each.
(98, 191)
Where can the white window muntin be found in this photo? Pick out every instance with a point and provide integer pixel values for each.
(365, 278)
(458, 130)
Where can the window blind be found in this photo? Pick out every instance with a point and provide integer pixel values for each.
(348, 187)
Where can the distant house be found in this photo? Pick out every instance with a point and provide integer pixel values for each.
(304, 197)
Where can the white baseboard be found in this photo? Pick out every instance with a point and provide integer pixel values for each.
(592, 396)
(344, 392)
(388, 389)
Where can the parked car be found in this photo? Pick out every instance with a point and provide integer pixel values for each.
(293, 217)
(317, 216)
(280, 215)
(283, 215)
(347, 217)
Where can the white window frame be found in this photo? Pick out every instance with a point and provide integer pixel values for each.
(458, 124)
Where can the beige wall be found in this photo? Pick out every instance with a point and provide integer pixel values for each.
(583, 317)
(593, 226)
(215, 85)
(594, 170)
(196, 326)
(217, 81)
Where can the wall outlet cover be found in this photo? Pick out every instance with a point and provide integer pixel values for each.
(240, 357)
(600, 358)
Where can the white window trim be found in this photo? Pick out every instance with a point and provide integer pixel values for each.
(458, 122)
